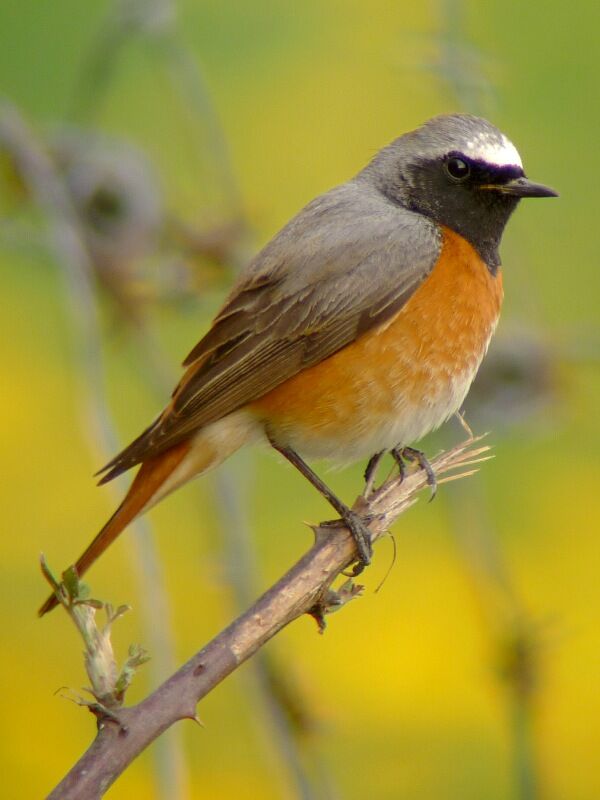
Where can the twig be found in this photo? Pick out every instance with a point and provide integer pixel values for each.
(304, 589)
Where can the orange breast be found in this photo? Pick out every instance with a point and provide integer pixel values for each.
(401, 379)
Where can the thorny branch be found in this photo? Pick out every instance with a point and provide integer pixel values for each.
(305, 588)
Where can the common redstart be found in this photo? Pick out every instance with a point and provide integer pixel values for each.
(356, 330)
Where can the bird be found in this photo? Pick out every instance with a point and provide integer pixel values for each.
(355, 331)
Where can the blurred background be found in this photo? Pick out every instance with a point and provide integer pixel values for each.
(147, 150)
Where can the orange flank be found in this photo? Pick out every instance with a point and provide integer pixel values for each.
(431, 347)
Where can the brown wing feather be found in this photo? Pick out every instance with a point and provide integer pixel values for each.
(315, 288)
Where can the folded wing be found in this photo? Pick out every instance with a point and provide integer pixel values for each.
(347, 262)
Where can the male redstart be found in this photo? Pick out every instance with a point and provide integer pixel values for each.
(356, 330)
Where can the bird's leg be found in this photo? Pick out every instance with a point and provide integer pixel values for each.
(402, 454)
(355, 524)
(370, 471)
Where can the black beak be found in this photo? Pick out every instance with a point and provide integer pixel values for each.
(523, 187)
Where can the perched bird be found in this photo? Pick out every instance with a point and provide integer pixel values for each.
(356, 330)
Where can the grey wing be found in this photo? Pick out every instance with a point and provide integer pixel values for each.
(346, 262)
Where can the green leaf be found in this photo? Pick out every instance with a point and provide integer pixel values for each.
(70, 580)
(47, 573)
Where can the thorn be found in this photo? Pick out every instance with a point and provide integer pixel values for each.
(320, 532)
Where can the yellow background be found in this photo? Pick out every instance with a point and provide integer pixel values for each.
(405, 686)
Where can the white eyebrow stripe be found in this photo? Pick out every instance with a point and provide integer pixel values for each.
(501, 153)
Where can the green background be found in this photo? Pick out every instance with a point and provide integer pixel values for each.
(405, 687)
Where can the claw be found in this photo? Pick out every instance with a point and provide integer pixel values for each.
(372, 465)
(402, 454)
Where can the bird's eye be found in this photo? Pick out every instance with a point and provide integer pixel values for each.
(458, 169)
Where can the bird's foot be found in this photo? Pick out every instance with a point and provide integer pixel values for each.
(403, 454)
(361, 535)
(362, 538)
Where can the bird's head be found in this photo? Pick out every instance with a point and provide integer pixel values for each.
(460, 171)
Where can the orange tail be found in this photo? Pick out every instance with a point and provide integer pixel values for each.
(146, 485)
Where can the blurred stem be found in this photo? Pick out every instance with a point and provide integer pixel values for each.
(125, 20)
(97, 71)
(72, 256)
(155, 21)
(189, 81)
(188, 78)
(526, 781)
(279, 695)
(458, 63)
(514, 634)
